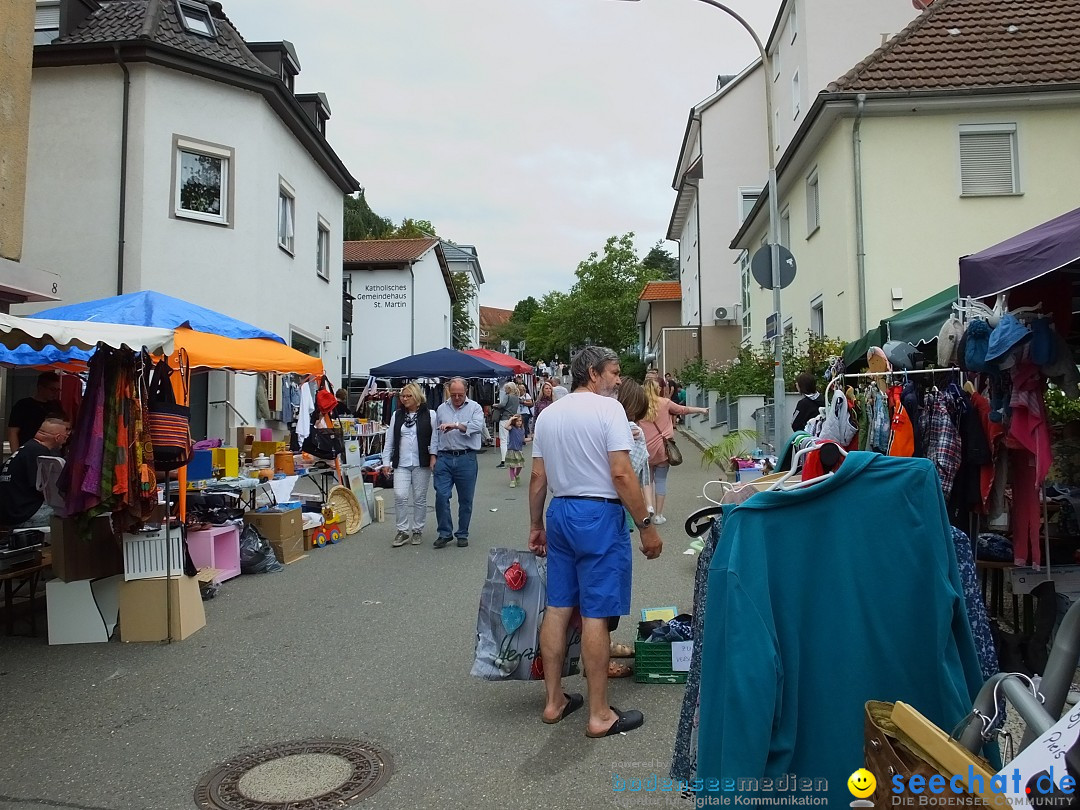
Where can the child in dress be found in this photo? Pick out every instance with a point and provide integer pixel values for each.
(515, 444)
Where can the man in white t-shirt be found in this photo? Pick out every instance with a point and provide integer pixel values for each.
(581, 451)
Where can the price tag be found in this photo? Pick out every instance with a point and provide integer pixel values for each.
(680, 655)
(1041, 766)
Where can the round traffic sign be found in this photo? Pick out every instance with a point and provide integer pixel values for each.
(761, 266)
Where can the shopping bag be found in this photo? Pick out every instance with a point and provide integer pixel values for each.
(167, 421)
(512, 604)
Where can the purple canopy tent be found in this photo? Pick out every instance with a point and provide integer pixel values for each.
(1054, 245)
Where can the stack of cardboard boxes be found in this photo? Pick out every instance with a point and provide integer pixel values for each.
(283, 527)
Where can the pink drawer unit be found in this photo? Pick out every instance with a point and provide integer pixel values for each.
(217, 547)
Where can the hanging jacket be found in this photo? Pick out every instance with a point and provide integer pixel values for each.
(902, 436)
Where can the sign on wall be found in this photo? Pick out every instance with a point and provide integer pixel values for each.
(382, 297)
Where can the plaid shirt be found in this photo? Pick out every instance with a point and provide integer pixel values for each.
(942, 441)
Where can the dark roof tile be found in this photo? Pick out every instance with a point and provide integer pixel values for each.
(975, 45)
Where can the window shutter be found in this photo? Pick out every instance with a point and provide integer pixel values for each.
(987, 163)
(46, 17)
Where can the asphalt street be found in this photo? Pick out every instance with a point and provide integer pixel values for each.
(357, 640)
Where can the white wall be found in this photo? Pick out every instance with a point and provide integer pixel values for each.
(73, 202)
(916, 224)
(387, 329)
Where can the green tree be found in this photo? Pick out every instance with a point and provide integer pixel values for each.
(661, 262)
(461, 336)
(413, 229)
(601, 307)
(545, 335)
(360, 222)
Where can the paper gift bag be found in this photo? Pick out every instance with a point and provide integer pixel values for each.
(511, 611)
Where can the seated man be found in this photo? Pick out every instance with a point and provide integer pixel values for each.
(21, 504)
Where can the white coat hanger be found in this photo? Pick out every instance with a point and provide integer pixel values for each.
(799, 456)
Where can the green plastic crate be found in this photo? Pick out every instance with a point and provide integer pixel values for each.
(652, 664)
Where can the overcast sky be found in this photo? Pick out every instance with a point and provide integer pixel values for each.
(533, 129)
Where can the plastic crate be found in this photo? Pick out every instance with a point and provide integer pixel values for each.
(652, 664)
(144, 554)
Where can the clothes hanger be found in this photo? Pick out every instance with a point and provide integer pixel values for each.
(778, 485)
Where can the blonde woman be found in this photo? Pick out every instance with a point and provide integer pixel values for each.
(410, 448)
(657, 426)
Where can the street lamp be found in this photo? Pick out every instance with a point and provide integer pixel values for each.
(774, 219)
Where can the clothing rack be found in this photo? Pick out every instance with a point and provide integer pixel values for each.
(898, 372)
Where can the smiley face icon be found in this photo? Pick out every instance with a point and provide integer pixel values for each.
(861, 783)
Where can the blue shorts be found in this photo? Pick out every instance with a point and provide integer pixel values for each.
(589, 555)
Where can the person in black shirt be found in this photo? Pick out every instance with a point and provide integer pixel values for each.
(21, 504)
(28, 414)
(809, 405)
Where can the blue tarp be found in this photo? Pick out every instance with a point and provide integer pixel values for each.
(50, 355)
(149, 308)
(441, 363)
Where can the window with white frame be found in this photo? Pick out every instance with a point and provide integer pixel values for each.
(774, 60)
(322, 261)
(989, 160)
(202, 181)
(785, 228)
(776, 126)
(286, 219)
(744, 274)
(813, 214)
(46, 21)
(793, 22)
(196, 17)
(817, 317)
(747, 198)
(795, 98)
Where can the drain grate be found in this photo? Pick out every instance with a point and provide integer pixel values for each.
(323, 772)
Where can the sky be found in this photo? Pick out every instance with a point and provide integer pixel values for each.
(532, 129)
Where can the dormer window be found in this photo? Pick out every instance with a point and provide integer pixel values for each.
(196, 18)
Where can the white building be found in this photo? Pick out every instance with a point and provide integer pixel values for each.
(403, 298)
(464, 259)
(168, 154)
(723, 162)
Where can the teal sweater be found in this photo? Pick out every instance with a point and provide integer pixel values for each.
(819, 600)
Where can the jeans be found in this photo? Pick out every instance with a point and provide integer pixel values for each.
(411, 481)
(39, 520)
(450, 472)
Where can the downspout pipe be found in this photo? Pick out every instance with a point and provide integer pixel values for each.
(860, 236)
(701, 317)
(412, 308)
(122, 213)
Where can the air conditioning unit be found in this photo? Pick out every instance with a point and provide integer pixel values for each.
(725, 314)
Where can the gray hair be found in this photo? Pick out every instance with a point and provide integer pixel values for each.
(593, 358)
(460, 380)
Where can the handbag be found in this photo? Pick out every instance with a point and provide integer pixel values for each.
(167, 421)
(889, 751)
(324, 443)
(325, 400)
(512, 603)
(674, 454)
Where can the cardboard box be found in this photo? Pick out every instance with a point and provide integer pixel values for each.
(75, 556)
(267, 449)
(290, 549)
(142, 609)
(277, 525)
(244, 437)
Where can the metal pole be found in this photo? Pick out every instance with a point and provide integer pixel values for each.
(779, 387)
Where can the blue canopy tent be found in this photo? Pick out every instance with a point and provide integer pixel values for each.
(441, 363)
(145, 308)
(149, 308)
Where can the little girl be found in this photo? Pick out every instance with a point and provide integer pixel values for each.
(515, 443)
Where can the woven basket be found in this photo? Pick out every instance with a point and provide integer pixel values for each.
(344, 502)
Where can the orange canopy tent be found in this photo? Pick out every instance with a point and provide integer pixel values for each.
(252, 355)
(501, 359)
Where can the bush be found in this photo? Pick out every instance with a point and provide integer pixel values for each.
(751, 370)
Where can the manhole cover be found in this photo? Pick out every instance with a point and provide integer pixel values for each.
(302, 775)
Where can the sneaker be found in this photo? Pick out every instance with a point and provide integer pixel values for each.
(463, 542)
(500, 464)
(513, 482)
(659, 520)
(416, 538)
(442, 542)
(400, 539)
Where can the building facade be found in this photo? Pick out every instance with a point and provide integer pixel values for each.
(168, 154)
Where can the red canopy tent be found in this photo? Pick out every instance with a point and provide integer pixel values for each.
(501, 359)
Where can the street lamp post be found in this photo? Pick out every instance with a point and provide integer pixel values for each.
(774, 222)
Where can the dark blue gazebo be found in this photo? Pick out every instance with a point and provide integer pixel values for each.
(442, 363)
